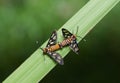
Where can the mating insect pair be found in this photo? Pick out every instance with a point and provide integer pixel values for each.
(52, 46)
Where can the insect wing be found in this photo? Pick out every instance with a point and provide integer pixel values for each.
(52, 40)
(74, 46)
(66, 33)
(56, 57)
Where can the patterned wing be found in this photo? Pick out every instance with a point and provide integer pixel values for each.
(66, 33)
(55, 56)
(52, 40)
(74, 46)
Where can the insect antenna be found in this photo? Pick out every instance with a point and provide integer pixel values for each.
(43, 52)
(41, 49)
(79, 36)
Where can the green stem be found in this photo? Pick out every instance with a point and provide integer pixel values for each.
(35, 68)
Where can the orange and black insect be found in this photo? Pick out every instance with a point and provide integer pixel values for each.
(71, 40)
(51, 47)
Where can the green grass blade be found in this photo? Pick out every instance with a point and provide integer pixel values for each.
(35, 68)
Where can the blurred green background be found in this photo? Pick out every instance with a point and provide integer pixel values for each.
(23, 22)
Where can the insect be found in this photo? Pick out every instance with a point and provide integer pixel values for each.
(71, 40)
(52, 46)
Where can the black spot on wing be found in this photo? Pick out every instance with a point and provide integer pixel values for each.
(66, 33)
(74, 46)
(55, 56)
(52, 40)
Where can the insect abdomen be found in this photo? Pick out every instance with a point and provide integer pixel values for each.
(54, 47)
(65, 42)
